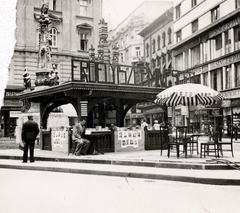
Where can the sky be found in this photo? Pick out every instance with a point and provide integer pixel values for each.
(115, 11)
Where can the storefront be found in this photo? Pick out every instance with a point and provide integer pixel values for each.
(10, 110)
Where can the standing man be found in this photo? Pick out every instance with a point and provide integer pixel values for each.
(82, 143)
(30, 131)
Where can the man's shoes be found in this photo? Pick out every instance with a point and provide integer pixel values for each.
(24, 162)
(32, 161)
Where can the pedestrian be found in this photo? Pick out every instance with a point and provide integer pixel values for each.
(30, 131)
(235, 130)
(156, 125)
(82, 143)
(144, 124)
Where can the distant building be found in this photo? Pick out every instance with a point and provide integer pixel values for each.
(126, 35)
(158, 39)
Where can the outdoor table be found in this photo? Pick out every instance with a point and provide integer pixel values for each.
(93, 136)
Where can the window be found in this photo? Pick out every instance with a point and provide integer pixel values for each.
(52, 5)
(237, 34)
(237, 3)
(178, 11)
(169, 35)
(127, 39)
(153, 45)
(195, 55)
(164, 39)
(138, 52)
(218, 42)
(194, 3)
(195, 26)
(215, 14)
(147, 49)
(179, 36)
(53, 34)
(158, 42)
(83, 41)
(83, 7)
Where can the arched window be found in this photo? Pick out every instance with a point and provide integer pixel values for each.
(164, 39)
(147, 49)
(158, 42)
(53, 34)
(153, 45)
(169, 35)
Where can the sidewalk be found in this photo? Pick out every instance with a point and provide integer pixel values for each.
(139, 164)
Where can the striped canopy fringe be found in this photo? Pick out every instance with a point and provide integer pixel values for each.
(174, 100)
(160, 101)
(190, 101)
(206, 100)
(219, 97)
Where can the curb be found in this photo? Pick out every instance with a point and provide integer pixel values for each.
(163, 164)
(190, 179)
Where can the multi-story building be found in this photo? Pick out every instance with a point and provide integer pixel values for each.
(126, 35)
(130, 43)
(157, 40)
(206, 45)
(74, 28)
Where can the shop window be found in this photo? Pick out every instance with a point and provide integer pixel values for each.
(218, 42)
(164, 39)
(215, 13)
(153, 46)
(83, 7)
(178, 11)
(159, 42)
(195, 26)
(169, 35)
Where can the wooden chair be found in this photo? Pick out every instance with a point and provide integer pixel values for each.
(211, 146)
(226, 143)
(179, 140)
(193, 144)
(164, 138)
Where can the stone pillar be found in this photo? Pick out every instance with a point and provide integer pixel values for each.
(224, 77)
(233, 78)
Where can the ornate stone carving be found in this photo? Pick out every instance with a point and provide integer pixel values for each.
(27, 79)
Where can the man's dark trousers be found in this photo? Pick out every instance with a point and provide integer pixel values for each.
(29, 143)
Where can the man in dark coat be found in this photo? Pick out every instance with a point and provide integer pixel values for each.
(82, 143)
(30, 131)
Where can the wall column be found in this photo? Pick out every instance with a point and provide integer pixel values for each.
(224, 77)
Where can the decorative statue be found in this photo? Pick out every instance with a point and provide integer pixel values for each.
(26, 79)
(53, 76)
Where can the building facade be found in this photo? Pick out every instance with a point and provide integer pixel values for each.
(206, 46)
(126, 35)
(74, 28)
(157, 42)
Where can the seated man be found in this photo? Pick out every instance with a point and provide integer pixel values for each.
(82, 143)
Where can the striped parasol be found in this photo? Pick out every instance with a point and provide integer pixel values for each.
(188, 95)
